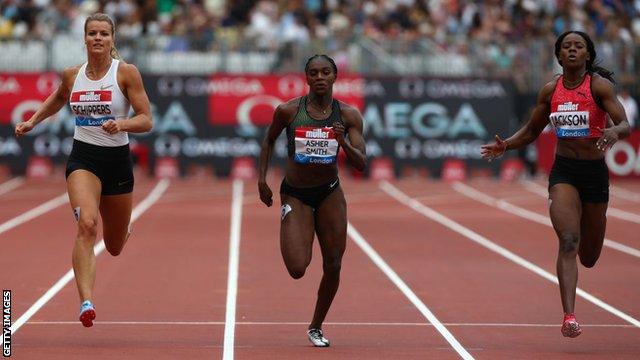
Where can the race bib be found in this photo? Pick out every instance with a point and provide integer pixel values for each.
(91, 108)
(315, 145)
(570, 124)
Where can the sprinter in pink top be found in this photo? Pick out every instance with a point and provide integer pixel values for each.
(574, 112)
(576, 105)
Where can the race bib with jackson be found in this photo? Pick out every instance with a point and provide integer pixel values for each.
(315, 145)
(569, 122)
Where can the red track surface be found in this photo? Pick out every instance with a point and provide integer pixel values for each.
(165, 296)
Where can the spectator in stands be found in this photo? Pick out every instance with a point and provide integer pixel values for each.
(498, 32)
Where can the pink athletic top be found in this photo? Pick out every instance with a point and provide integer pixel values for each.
(574, 112)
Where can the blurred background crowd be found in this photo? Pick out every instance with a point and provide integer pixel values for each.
(436, 37)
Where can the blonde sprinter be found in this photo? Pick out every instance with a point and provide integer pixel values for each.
(99, 172)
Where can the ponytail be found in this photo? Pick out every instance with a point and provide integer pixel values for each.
(114, 53)
(605, 73)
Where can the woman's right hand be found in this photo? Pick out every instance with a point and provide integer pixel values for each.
(266, 195)
(23, 128)
(495, 150)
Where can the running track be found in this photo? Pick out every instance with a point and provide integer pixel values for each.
(430, 271)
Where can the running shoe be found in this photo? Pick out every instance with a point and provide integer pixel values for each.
(570, 326)
(87, 314)
(316, 338)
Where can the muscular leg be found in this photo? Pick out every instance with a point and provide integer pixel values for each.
(84, 192)
(592, 228)
(296, 236)
(331, 227)
(115, 211)
(565, 210)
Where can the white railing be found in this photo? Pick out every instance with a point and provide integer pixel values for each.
(364, 56)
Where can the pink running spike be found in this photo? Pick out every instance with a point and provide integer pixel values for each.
(570, 326)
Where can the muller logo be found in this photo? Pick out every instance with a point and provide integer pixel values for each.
(568, 106)
(91, 96)
(317, 134)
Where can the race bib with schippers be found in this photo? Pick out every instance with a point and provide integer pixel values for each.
(91, 108)
(315, 145)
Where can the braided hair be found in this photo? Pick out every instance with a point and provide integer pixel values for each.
(321, 56)
(593, 67)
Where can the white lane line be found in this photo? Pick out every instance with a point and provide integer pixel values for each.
(535, 188)
(623, 215)
(611, 211)
(623, 193)
(232, 278)
(530, 215)
(406, 290)
(143, 206)
(289, 323)
(11, 184)
(481, 240)
(34, 213)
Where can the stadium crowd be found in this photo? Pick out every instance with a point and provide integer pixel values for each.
(503, 37)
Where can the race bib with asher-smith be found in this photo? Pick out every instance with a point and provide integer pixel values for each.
(315, 145)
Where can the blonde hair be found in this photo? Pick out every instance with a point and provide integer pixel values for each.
(106, 18)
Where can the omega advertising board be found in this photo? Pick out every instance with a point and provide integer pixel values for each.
(424, 121)
(211, 120)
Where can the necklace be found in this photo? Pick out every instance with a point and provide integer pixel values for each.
(324, 111)
(572, 83)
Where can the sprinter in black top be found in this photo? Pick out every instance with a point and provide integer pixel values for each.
(317, 127)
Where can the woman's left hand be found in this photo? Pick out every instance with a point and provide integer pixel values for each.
(608, 138)
(111, 126)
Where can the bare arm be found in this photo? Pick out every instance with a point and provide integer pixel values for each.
(528, 132)
(52, 104)
(129, 77)
(620, 128)
(281, 117)
(355, 147)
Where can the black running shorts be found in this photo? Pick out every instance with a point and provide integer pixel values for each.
(312, 196)
(112, 165)
(589, 177)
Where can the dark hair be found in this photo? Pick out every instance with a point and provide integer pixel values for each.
(321, 56)
(592, 65)
(106, 18)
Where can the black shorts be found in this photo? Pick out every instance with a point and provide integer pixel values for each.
(312, 196)
(112, 165)
(589, 177)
